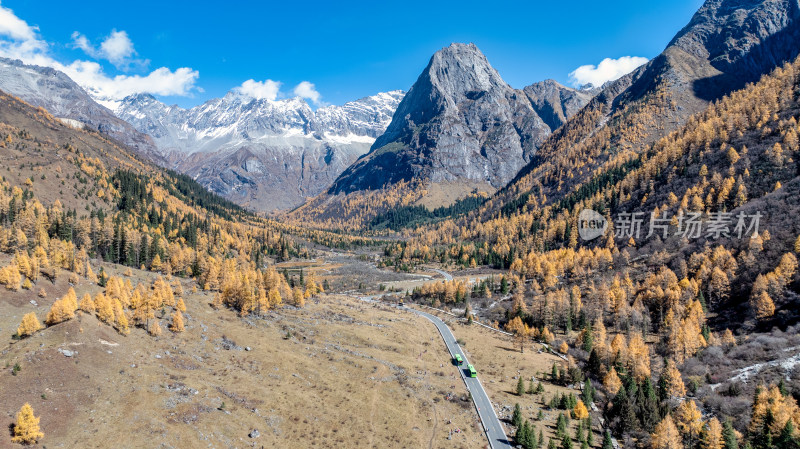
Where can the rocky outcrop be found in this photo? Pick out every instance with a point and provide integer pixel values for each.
(555, 103)
(726, 44)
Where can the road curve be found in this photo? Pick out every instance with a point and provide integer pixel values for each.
(447, 276)
(491, 424)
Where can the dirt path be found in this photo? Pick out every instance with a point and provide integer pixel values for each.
(435, 426)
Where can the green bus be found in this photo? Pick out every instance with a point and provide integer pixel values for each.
(472, 372)
(458, 359)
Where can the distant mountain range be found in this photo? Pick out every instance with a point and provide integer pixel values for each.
(461, 123)
(264, 154)
(260, 153)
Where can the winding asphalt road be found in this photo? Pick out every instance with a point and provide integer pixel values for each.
(494, 429)
(447, 276)
(491, 423)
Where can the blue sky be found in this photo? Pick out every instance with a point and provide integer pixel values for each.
(346, 50)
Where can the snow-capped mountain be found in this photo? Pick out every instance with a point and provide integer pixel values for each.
(62, 97)
(265, 154)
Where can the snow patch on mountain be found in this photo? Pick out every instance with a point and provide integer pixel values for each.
(262, 153)
(238, 119)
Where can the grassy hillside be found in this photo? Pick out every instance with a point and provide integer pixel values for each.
(337, 372)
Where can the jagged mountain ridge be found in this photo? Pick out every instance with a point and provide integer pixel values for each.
(555, 103)
(460, 122)
(266, 154)
(61, 96)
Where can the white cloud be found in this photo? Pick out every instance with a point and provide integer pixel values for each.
(307, 90)
(267, 89)
(18, 40)
(161, 81)
(14, 27)
(116, 48)
(80, 41)
(608, 70)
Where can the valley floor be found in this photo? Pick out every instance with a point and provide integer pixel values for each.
(337, 373)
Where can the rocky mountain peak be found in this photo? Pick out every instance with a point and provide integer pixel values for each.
(460, 123)
(726, 44)
(555, 103)
(460, 70)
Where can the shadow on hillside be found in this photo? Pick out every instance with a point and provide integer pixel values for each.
(774, 51)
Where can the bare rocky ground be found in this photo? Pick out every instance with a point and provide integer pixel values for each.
(337, 373)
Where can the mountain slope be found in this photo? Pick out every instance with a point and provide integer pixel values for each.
(261, 153)
(715, 265)
(726, 44)
(158, 263)
(75, 190)
(62, 97)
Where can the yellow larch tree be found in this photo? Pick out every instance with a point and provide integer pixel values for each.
(762, 305)
(521, 332)
(618, 348)
(728, 339)
(689, 420)
(298, 299)
(104, 308)
(712, 435)
(63, 309)
(672, 380)
(156, 264)
(177, 322)
(666, 435)
(771, 402)
(639, 356)
(11, 277)
(580, 411)
(612, 381)
(216, 303)
(274, 298)
(120, 317)
(26, 428)
(600, 336)
(29, 325)
(59, 312)
(154, 329)
(518, 306)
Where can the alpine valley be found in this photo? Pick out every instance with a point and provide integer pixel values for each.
(457, 263)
